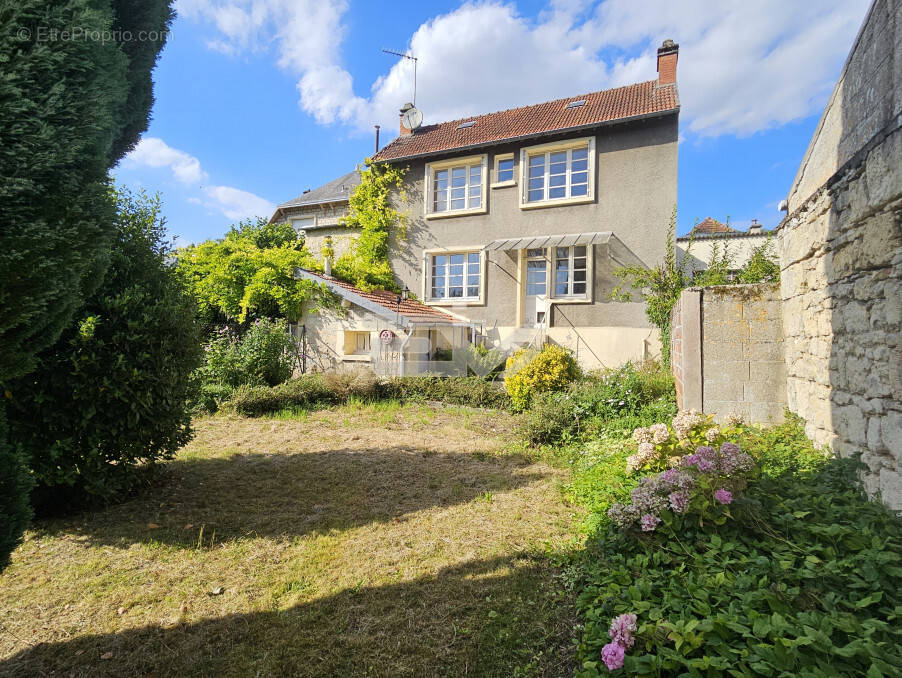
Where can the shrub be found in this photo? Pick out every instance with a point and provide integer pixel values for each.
(803, 581)
(111, 396)
(662, 446)
(551, 369)
(263, 356)
(553, 417)
(468, 391)
(359, 382)
(15, 483)
(306, 392)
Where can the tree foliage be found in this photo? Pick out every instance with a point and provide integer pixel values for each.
(110, 396)
(250, 273)
(366, 264)
(15, 484)
(69, 110)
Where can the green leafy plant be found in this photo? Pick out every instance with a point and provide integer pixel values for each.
(251, 273)
(110, 397)
(366, 264)
(659, 287)
(528, 373)
(762, 266)
(804, 580)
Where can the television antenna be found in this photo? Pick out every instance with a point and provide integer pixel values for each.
(410, 58)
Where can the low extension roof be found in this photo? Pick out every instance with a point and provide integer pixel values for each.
(712, 228)
(383, 302)
(337, 190)
(641, 100)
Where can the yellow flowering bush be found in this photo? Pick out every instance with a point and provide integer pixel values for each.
(529, 372)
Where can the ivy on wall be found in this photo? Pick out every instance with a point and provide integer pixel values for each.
(366, 264)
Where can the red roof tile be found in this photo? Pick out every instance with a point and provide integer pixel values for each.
(608, 105)
(709, 225)
(411, 309)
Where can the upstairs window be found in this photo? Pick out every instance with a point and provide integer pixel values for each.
(455, 276)
(504, 170)
(570, 267)
(455, 186)
(559, 173)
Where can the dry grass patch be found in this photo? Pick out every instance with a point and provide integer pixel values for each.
(376, 540)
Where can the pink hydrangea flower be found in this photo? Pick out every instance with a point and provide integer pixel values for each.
(622, 628)
(679, 501)
(723, 496)
(650, 522)
(613, 654)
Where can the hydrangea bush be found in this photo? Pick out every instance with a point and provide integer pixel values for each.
(661, 446)
(704, 484)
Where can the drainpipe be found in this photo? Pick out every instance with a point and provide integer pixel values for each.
(401, 352)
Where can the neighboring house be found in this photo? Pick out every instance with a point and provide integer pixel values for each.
(711, 234)
(516, 220)
(389, 332)
(316, 214)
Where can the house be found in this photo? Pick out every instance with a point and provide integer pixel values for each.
(316, 214)
(515, 224)
(710, 235)
(389, 332)
(516, 220)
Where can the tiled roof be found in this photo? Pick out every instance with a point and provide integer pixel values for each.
(608, 105)
(414, 311)
(709, 225)
(336, 190)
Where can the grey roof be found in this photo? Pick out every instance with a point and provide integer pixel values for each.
(337, 190)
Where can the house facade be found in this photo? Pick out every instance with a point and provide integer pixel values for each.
(317, 213)
(517, 220)
(710, 235)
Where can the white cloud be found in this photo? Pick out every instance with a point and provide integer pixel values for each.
(744, 66)
(186, 169)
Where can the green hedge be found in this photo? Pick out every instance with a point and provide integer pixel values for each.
(316, 390)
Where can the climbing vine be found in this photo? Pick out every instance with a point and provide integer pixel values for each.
(366, 263)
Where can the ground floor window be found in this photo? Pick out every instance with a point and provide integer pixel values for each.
(455, 276)
(570, 267)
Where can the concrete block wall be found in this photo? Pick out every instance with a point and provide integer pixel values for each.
(729, 351)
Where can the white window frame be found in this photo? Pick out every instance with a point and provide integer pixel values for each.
(545, 259)
(426, 287)
(469, 161)
(551, 284)
(542, 149)
(303, 230)
(510, 182)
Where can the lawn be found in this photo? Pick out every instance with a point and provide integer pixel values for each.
(379, 540)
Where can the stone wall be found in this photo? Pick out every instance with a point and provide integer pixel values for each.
(727, 342)
(841, 260)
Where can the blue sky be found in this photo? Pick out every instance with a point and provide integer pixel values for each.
(257, 100)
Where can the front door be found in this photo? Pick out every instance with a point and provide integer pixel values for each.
(536, 290)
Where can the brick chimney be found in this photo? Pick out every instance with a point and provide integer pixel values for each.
(404, 131)
(667, 62)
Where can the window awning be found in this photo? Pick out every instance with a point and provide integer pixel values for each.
(537, 241)
(618, 251)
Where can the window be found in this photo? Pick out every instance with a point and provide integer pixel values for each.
(362, 341)
(561, 172)
(301, 224)
(455, 276)
(504, 170)
(570, 267)
(536, 272)
(456, 186)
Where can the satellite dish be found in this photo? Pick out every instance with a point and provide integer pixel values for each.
(412, 118)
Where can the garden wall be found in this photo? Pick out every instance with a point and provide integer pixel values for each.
(841, 262)
(727, 352)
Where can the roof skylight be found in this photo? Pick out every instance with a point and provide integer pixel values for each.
(576, 104)
(468, 123)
